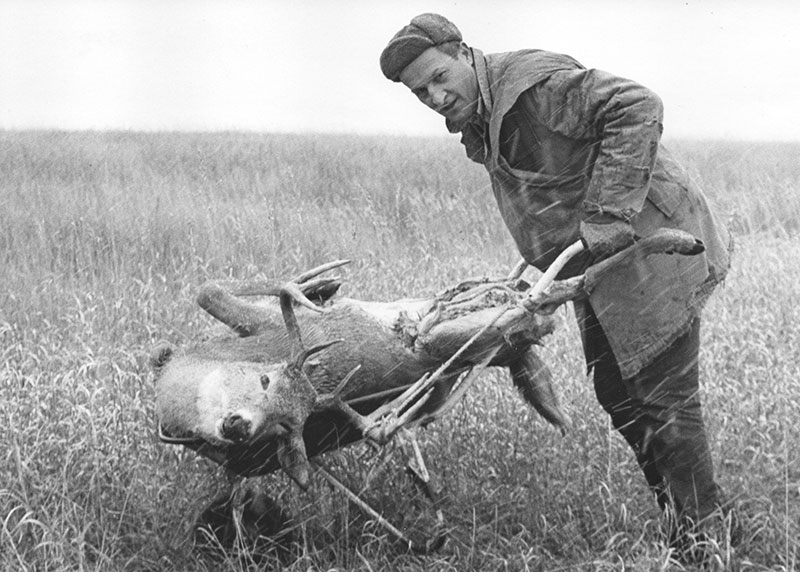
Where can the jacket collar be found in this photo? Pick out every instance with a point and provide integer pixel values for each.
(485, 99)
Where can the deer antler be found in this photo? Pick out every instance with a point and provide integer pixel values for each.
(290, 292)
(295, 398)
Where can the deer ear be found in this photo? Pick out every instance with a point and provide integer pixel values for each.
(293, 460)
(160, 355)
(535, 382)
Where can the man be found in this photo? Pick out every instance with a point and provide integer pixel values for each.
(574, 153)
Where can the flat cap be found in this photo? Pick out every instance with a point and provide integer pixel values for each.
(425, 31)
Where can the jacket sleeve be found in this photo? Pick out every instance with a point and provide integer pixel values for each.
(621, 117)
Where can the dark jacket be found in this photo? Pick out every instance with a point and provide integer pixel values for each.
(563, 144)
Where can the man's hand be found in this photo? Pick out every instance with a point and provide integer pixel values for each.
(606, 236)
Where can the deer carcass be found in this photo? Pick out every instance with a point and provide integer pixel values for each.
(317, 372)
(257, 400)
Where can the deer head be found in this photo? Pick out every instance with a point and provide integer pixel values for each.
(288, 399)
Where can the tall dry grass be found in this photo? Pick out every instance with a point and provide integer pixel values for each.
(104, 238)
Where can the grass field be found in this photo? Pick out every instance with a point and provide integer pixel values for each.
(105, 237)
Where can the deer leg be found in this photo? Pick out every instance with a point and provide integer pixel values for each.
(407, 409)
(425, 385)
(219, 298)
(458, 391)
(416, 468)
(222, 298)
(381, 425)
(359, 502)
(428, 547)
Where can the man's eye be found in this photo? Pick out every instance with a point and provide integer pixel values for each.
(440, 76)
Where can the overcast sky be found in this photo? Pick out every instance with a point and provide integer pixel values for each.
(724, 68)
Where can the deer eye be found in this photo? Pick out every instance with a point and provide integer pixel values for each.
(264, 381)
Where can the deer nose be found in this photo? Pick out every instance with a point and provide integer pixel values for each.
(236, 428)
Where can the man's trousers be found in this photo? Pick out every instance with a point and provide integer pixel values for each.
(658, 412)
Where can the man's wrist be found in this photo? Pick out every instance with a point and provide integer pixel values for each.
(606, 237)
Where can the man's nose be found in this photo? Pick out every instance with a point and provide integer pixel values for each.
(437, 96)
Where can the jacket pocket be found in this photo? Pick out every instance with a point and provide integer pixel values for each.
(669, 185)
(666, 196)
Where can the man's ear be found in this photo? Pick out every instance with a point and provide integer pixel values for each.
(466, 52)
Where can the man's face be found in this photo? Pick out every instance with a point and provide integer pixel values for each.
(447, 85)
